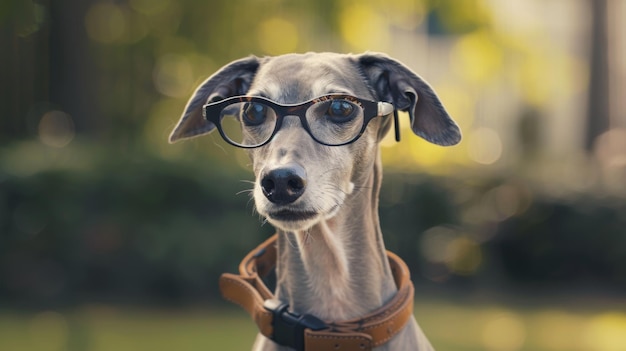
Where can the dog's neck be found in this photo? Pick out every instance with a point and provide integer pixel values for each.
(338, 270)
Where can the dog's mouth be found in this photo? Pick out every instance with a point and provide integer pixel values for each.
(287, 215)
(298, 219)
(299, 215)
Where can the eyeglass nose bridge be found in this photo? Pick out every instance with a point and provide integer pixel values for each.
(289, 119)
(302, 112)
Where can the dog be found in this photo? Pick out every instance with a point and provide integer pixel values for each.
(311, 124)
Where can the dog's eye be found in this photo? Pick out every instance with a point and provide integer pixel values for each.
(340, 109)
(254, 114)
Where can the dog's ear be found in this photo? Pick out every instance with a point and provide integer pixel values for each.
(231, 80)
(396, 83)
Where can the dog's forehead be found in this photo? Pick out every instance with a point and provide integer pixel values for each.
(296, 78)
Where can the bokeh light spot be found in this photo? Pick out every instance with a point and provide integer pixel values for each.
(504, 331)
(435, 272)
(445, 245)
(532, 79)
(610, 148)
(407, 14)
(149, 7)
(56, 129)
(173, 75)
(435, 242)
(477, 57)
(362, 27)
(508, 200)
(464, 256)
(278, 36)
(606, 332)
(558, 330)
(106, 22)
(484, 146)
(423, 152)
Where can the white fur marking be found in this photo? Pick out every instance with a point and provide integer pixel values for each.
(350, 188)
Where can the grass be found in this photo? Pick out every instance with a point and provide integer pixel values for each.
(548, 325)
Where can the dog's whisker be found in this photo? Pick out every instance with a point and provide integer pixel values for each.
(308, 237)
(251, 199)
(290, 241)
(245, 191)
(263, 220)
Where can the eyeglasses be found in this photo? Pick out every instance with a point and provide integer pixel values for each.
(332, 120)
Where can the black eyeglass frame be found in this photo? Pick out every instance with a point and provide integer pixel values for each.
(371, 110)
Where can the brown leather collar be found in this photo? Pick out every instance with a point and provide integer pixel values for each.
(306, 332)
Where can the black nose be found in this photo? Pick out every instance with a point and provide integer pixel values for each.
(285, 184)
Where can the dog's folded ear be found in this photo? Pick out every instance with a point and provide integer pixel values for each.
(396, 83)
(231, 80)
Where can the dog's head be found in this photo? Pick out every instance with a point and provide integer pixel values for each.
(300, 180)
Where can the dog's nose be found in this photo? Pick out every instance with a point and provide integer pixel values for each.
(285, 184)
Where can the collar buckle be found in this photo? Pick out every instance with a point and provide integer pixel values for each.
(288, 327)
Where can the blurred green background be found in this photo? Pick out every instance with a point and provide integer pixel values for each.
(112, 239)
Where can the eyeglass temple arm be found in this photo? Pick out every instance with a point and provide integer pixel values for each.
(396, 124)
(385, 108)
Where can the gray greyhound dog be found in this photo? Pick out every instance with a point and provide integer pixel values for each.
(311, 124)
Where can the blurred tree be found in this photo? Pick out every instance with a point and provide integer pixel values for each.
(48, 67)
(73, 76)
(23, 67)
(598, 105)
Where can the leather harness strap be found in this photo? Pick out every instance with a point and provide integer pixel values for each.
(307, 332)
